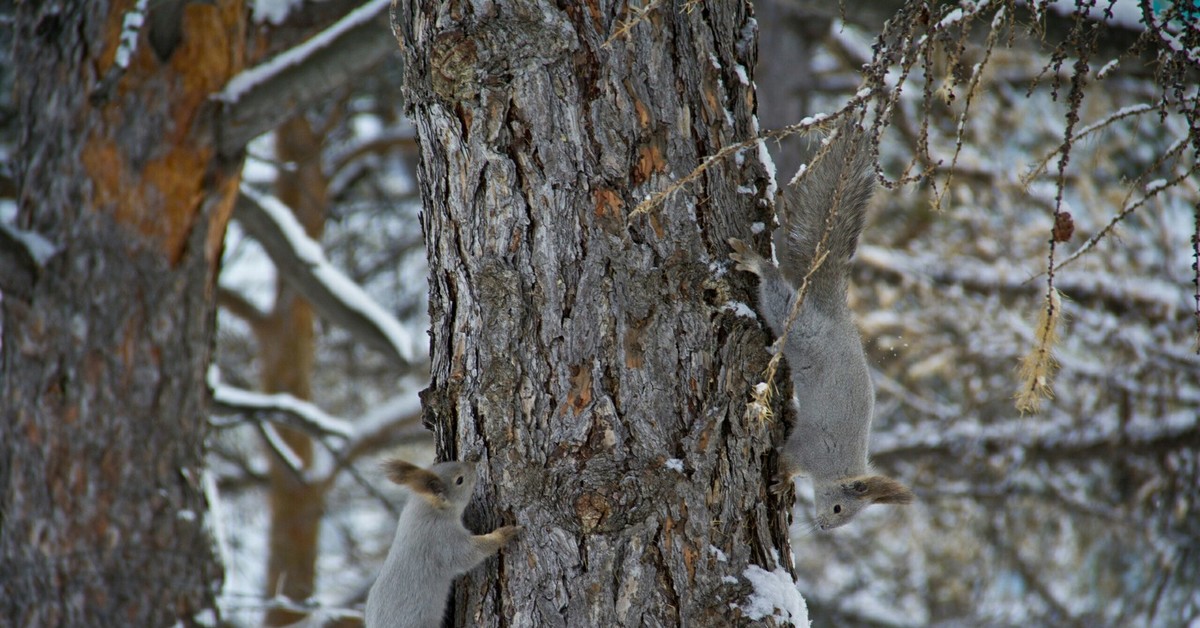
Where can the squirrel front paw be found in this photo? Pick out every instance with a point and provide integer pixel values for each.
(787, 469)
(745, 257)
(507, 533)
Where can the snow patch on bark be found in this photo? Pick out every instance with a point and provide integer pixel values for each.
(775, 595)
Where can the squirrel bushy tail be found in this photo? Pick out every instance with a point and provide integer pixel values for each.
(832, 196)
(823, 215)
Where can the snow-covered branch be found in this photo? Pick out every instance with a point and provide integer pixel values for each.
(248, 79)
(302, 263)
(282, 408)
(260, 98)
(23, 254)
(1036, 440)
(1117, 35)
(382, 422)
(288, 456)
(1148, 297)
(392, 422)
(130, 27)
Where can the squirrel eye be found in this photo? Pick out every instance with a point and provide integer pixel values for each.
(459, 480)
(837, 509)
(860, 486)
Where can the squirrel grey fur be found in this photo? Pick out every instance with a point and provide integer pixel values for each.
(834, 395)
(431, 547)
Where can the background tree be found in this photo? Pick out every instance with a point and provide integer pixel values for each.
(108, 286)
(124, 175)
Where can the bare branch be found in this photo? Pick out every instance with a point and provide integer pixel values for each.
(239, 306)
(1116, 39)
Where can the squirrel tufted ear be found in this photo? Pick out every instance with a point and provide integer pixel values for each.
(878, 489)
(421, 481)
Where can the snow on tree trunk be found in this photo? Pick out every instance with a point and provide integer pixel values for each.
(583, 354)
(102, 391)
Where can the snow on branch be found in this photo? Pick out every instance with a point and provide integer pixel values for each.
(130, 27)
(1145, 295)
(286, 454)
(396, 420)
(1038, 440)
(23, 255)
(260, 98)
(248, 79)
(302, 263)
(383, 419)
(35, 245)
(1126, 15)
(291, 411)
(273, 11)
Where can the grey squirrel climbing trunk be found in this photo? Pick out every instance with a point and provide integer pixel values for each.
(583, 354)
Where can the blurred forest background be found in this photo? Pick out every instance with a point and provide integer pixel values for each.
(1082, 513)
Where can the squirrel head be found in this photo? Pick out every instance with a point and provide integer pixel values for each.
(445, 485)
(839, 501)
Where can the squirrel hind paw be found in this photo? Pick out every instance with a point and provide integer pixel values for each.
(744, 257)
(780, 484)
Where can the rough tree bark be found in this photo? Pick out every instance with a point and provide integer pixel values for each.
(102, 388)
(578, 347)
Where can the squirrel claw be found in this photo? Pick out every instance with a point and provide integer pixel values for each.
(510, 532)
(744, 257)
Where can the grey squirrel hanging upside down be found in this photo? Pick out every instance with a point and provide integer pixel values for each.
(833, 391)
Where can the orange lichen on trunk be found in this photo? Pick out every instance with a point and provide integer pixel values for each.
(650, 162)
(608, 204)
(160, 189)
(219, 219)
(580, 394)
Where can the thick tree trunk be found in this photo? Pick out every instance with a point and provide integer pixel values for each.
(581, 352)
(102, 389)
